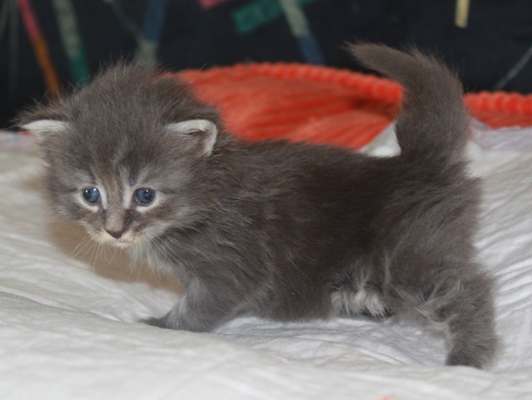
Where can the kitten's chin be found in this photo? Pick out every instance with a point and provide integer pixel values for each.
(121, 245)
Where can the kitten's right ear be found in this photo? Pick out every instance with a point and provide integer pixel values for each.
(203, 131)
(45, 127)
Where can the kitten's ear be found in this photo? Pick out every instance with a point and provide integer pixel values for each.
(202, 130)
(42, 128)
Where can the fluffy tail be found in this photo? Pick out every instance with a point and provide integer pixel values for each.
(432, 126)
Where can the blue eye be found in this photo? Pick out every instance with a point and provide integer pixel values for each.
(144, 196)
(91, 195)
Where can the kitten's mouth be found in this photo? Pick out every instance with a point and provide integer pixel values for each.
(126, 241)
(122, 243)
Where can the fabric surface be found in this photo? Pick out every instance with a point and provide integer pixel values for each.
(68, 312)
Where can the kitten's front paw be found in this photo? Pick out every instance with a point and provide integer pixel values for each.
(158, 322)
(466, 360)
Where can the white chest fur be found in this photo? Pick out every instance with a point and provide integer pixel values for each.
(351, 302)
(146, 254)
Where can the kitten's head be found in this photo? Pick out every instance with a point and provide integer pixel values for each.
(127, 156)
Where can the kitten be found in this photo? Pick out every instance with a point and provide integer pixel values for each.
(283, 231)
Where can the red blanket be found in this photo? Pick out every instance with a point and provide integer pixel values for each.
(325, 105)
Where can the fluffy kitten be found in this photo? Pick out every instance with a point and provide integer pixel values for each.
(283, 231)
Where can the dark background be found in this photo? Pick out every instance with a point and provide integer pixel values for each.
(498, 35)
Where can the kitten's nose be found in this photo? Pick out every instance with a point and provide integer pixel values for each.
(116, 234)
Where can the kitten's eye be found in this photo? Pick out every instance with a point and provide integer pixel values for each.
(144, 196)
(91, 195)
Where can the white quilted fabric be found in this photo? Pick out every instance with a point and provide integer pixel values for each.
(68, 312)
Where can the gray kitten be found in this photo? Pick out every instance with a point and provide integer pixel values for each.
(283, 231)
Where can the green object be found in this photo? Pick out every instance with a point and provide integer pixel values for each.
(72, 43)
(258, 13)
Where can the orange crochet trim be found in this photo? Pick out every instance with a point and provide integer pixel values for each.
(500, 109)
(325, 105)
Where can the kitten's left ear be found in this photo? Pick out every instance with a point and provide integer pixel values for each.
(44, 127)
(202, 130)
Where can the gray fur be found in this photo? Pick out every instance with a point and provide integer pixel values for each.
(284, 231)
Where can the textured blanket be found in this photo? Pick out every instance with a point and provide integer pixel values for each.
(68, 311)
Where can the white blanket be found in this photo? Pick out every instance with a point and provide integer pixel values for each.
(68, 317)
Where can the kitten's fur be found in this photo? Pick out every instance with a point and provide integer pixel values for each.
(284, 231)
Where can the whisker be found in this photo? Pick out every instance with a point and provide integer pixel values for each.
(75, 252)
(87, 247)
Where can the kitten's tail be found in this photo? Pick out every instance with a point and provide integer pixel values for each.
(432, 126)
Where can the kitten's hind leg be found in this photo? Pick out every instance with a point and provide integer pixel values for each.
(471, 325)
(200, 310)
(465, 307)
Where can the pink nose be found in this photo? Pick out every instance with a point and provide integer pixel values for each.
(116, 234)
